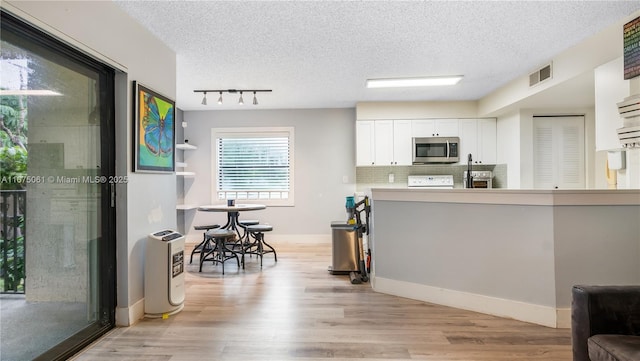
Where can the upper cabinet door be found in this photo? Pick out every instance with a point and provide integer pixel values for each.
(446, 128)
(478, 138)
(434, 127)
(423, 127)
(402, 152)
(365, 143)
(468, 133)
(383, 142)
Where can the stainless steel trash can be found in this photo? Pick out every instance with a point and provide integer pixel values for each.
(345, 248)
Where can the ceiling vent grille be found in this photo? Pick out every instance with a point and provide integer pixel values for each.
(540, 75)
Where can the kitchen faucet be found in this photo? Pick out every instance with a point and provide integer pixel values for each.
(469, 176)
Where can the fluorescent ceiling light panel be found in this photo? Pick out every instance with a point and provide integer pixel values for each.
(411, 82)
(30, 92)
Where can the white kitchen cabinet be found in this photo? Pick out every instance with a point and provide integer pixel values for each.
(558, 152)
(434, 128)
(383, 135)
(478, 138)
(365, 143)
(402, 152)
(383, 142)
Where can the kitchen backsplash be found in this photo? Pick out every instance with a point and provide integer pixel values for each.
(369, 177)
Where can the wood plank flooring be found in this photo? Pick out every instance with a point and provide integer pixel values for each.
(295, 310)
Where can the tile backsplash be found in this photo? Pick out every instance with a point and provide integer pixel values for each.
(369, 177)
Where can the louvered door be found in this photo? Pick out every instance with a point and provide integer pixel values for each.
(558, 152)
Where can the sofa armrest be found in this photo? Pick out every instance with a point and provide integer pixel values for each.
(602, 310)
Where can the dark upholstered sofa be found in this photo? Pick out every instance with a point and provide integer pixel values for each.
(605, 323)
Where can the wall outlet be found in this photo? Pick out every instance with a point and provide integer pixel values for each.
(392, 177)
(345, 179)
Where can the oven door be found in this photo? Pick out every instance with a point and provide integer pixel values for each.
(479, 183)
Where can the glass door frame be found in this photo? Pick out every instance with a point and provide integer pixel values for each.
(106, 267)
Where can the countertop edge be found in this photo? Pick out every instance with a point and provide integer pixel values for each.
(535, 197)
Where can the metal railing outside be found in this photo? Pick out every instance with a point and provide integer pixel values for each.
(13, 205)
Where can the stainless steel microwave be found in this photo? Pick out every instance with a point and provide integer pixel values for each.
(436, 150)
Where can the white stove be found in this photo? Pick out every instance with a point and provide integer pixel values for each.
(430, 181)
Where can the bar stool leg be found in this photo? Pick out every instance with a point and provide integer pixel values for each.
(201, 246)
(204, 255)
(275, 255)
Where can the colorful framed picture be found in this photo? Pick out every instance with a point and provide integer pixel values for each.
(154, 143)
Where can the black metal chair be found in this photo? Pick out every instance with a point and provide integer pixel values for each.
(217, 252)
(257, 231)
(200, 247)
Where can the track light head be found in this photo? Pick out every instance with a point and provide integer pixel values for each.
(232, 91)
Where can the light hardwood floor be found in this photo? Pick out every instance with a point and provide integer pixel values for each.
(295, 310)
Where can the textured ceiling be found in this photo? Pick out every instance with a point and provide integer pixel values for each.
(318, 54)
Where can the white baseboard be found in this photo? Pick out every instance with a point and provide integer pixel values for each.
(528, 312)
(128, 316)
(563, 317)
(279, 238)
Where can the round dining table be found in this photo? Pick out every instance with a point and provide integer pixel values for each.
(232, 213)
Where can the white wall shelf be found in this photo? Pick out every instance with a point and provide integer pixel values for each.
(186, 174)
(186, 207)
(186, 146)
(181, 165)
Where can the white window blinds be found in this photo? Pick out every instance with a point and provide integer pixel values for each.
(253, 164)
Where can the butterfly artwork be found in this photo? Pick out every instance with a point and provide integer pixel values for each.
(154, 131)
(158, 128)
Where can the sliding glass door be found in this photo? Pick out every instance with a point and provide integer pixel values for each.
(57, 247)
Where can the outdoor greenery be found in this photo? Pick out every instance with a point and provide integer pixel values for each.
(13, 172)
(12, 268)
(13, 142)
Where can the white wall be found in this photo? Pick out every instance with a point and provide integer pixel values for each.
(508, 147)
(324, 154)
(416, 110)
(104, 31)
(610, 89)
(584, 57)
(589, 56)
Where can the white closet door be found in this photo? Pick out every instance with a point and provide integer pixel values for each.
(559, 152)
(543, 159)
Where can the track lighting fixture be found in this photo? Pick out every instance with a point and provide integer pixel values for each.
(232, 91)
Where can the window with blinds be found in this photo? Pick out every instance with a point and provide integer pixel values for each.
(254, 165)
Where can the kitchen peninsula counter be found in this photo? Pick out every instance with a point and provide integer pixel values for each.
(507, 252)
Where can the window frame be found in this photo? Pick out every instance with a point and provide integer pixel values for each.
(257, 132)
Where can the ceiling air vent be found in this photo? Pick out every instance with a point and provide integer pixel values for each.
(540, 75)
